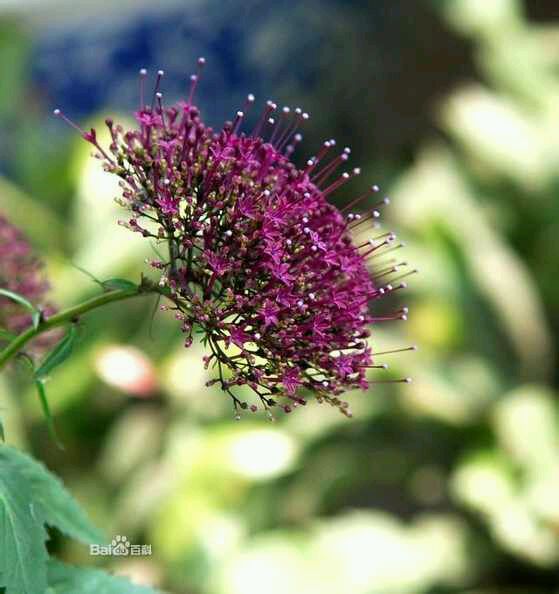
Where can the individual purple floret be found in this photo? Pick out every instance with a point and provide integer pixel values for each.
(258, 259)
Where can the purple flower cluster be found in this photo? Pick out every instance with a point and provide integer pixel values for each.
(21, 272)
(258, 260)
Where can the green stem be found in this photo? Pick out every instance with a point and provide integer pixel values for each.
(70, 315)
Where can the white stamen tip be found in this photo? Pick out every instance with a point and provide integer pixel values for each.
(375, 188)
(376, 214)
(160, 72)
(345, 175)
(306, 116)
(143, 71)
(251, 98)
(357, 171)
(56, 112)
(159, 95)
(201, 60)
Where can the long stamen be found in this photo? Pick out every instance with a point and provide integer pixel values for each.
(290, 148)
(195, 79)
(327, 170)
(340, 181)
(237, 122)
(142, 81)
(402, 350)
(404, 380)
(268, 109)
(285, 113)
(314, 161)
(301, 116)
(372, 190)
(60, 114)
(160, 74)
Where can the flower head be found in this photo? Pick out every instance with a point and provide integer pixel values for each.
(258, 258)
(21, 272)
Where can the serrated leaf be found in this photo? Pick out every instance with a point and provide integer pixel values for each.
(23, 555)
(114, 284)
(31, 497)
(19, 299)
(67, 579)
(58, 508)
(58, 355)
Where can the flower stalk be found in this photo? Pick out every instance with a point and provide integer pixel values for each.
(71, 315)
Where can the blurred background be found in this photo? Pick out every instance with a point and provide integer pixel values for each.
(447, 485)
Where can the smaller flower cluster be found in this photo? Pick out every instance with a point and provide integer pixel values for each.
(21, 272)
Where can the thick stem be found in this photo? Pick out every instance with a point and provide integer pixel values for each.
(69, 315)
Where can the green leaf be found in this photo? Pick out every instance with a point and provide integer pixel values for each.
(39, 384)
(2, 432)
(66, 579)
(114, 284)
(58, 508)
(23, 556)
(19, 299)
(31, 497)
(58, 355)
